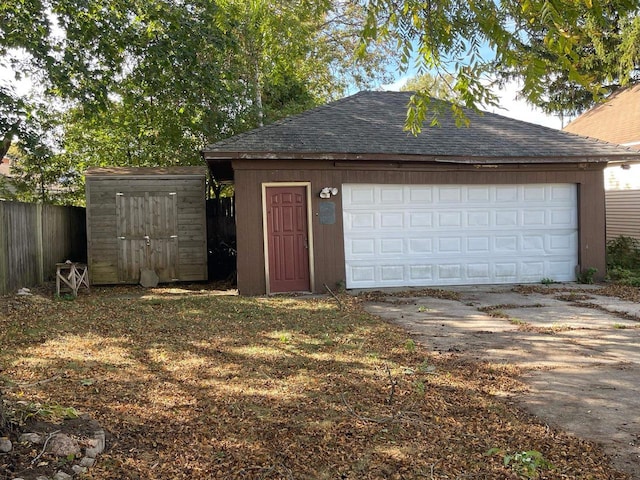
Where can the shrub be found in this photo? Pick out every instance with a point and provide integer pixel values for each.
(623, 252)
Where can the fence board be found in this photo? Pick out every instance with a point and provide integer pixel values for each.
(33, 238)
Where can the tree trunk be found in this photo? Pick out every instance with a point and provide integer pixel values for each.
(5, 144)
(258, 98)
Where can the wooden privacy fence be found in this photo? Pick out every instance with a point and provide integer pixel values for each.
(33, 238)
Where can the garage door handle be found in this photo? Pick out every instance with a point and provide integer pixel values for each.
(306, 245)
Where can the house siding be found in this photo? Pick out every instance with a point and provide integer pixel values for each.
(623, 214)
(329, 261)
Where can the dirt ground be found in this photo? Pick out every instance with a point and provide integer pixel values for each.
(579, 351)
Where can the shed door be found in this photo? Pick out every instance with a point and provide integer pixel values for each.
(287, 239)
(430, 235)
(147, 235)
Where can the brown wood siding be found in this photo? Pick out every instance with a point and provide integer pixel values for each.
(328, 239)
(102, 222)
(623, 213)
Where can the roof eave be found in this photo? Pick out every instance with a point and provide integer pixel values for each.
(459, 159)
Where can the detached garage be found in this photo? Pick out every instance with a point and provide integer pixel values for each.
(342, 195)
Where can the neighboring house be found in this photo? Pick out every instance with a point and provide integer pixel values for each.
(6, 186)
(5, 166)
(617, 121)
(342, 196)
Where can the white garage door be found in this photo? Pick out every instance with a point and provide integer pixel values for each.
(429, 235)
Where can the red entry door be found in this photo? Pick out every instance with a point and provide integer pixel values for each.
(287, 237)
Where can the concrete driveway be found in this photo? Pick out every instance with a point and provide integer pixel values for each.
(580, 352)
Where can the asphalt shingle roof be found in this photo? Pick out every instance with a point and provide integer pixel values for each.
(371, 123)
(617, 120)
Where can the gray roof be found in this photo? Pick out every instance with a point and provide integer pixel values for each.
(145, 171)
(369, 125)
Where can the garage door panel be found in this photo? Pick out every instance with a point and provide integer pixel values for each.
(562, 193)
(563, 217)
(455, 234)
(448, 195)
(562, 244)
(360, 195)
(392, 195)
(560, 268)
(479, 194)
(420, 246)
(506, 218)
(506, 195)
(392, 273)
(420, 194)
(420, 220)
(535, 218)
(450, 245)
(479, 272)
(391, 220)
(478, 219)
(420, 273)
(505, 244)
(392, 246)
(534, 193)
(449, 219)
(479, 245)
(361, 220)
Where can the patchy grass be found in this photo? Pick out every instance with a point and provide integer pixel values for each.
(194, 384)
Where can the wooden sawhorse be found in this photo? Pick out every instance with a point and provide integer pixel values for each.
(73, 275)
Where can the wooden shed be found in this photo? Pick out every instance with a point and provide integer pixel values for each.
(146, 220)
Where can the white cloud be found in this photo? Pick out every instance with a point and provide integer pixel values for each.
(397, 85)
(512, 107)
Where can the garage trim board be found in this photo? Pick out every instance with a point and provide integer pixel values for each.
(427, 235)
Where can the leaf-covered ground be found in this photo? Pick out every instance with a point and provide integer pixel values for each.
(191, 383)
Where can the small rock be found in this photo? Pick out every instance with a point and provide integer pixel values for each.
(42, 477)
(97, 444)
(63, 445)
(5, 445)
(30, 438)
(92, 452)
(87, 462)
(60, 475)
(78, 470)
